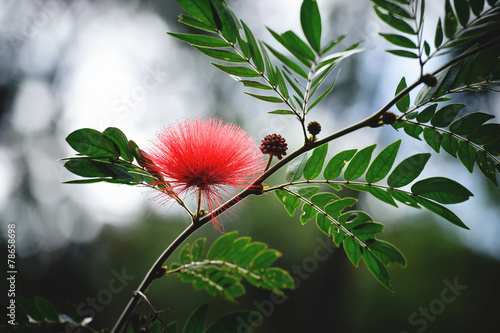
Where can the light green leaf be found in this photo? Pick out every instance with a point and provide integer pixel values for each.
(314, 164)
(288, 63)
(353, 250)
(200, 9)
(222, 245)
(197, 249)
(291, 203)
(323, 224)
(382, 164)
(310, 20)
(308, 192)
(308, 213)
(359, 163)
(335, 208)
(322, 199)
(386, 252)
(408, 170)
(442, 190)
(393, 8)
(295, 168)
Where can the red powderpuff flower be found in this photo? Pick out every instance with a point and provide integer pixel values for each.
(203, 156)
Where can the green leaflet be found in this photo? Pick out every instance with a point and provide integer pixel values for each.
(467, 155)
(404, 53)
(399, 40)
(353, 250)
(393, 8)
(314, 164)
(310, 20)
(231, 322)
(426, 115)
(408, 170)
(394, 22)
(238, 71)
(196, 320)
(386, 252)
(359, 163)
(200, 40)
(223, 55)
(47, 309)
(382, 164)
(337, 163)
(463, 10)
(469, 122)
(377, 268)
(450, 21)
(200, 9)
(121, 142)
(442, 190)
(221, 246)
(295, 168)
(438, 36)
(441, 211)
(433, 138)
(92, 143)
(404, 103)
(254, 49)
(446, 115)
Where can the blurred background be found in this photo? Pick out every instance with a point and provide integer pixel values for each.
(66, 65)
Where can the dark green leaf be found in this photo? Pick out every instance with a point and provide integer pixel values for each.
(408, 170)
(121, 142)
(30, 309)
(393, 8)
(395, 22)
(442, 190)
(359, 163)
(446, 115)
(295, 168)
(387, 253)
(404, 103)
(470, 122)
(485, 134)
(254, 49)
(426, 115)
(476, 6)
(441, 211)
(87, 168)
(270, 99)
(322, 199)
(449, 144)
(403, 53)
(427, 48)
(438, 38)
(200, 40)
(433, 138)
(238, 71)
(404, 198)
(196, 320)
(450, 21)
(353, 250)
(382, 164)
(467, 154)
(221, 54)
(487, 166)
(310, 20)
(92, 143)
(297, 47)
(377, 269)
(231, 322)
(255, 84)
(462, 8)
(228, 25)
(221, 246)
(413, 130)
(367, 230)
(493, 147)
(314, 164)
(399, 40)
(46, 308)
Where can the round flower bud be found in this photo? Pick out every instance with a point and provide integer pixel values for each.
(274, 144)
(314, 128)
(429, 80)
(389, 118)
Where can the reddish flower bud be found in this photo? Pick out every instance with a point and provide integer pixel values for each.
(274, 144)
